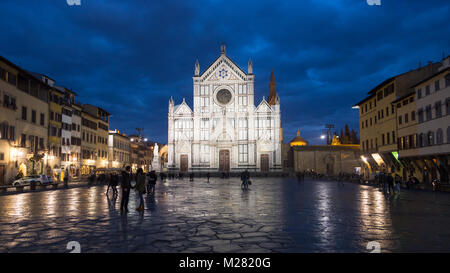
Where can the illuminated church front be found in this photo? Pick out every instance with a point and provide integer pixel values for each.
(225, 131)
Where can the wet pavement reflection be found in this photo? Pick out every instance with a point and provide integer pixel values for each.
(275, 215)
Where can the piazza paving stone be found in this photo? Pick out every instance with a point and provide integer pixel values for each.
(275, 215)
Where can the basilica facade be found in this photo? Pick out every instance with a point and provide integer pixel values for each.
(225, 131)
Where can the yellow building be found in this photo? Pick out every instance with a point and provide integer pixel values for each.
(89, 128)
(102, 133)
(23, 122)
(378, 126)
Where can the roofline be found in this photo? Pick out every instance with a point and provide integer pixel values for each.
(432, 76)
(383, 84)
(28, 73)
(364, 100)
(200, 75)
(109, 114)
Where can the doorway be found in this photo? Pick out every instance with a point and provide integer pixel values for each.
(224, 161)
(264, 163)
(184, 163)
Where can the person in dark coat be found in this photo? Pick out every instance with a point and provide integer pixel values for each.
(151, 183)
(390, 182)
(140, 188)
(208, 175)
(126, 187)
(245, 176)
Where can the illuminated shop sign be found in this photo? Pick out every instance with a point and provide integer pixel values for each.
(378, 159)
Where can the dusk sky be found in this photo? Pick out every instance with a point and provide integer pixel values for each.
(130, 56)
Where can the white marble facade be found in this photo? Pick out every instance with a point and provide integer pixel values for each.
(224, 131)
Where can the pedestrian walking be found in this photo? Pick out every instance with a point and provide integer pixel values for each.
(208, 175)
(151, 183)
(191, 177)
(390, 182)
(126, 187)
(140, 188)
(114, 182)
(66, 178)
(398, 183)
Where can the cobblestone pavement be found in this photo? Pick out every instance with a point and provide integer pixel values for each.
(275, 215)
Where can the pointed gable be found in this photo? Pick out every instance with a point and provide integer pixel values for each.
(264, 107)
(222, 62)
(183, 109)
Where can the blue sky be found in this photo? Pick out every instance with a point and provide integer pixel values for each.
(129, 57)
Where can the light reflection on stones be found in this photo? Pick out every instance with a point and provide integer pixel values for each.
(279, 215)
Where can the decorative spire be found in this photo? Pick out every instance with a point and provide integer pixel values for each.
(298, 132)
(171, 100)
(197, 68)
(223, 50)
(273, 92)
(250, 67)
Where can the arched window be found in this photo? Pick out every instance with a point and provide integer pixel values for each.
(430, 136)
(439, 136)
(421, 144)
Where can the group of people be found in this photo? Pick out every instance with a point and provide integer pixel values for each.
(390, 184)
(145, 183)
(142, 183)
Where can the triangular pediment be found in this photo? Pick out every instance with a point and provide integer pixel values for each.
(223, 68)
(183, 109)
(263, 107)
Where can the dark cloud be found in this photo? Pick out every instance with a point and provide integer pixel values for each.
(131, 56)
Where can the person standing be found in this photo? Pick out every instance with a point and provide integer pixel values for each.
(245, 176)
(151, 182)
(208, 175)
(126, 186)
(140, 188)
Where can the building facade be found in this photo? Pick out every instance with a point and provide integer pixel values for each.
(119, 154)
(224, 131)
(102, 120)
(75, 147)
(67, 100)
(89, 128)
(378, 121)
(424, 128)
(23, 122)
